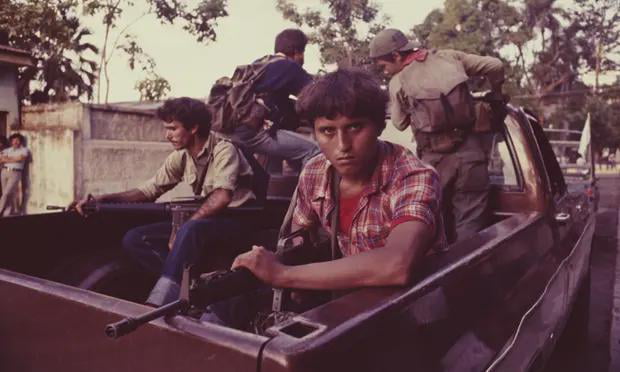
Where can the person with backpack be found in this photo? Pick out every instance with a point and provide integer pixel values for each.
(429, 93)
(215, 169)
(256, 107)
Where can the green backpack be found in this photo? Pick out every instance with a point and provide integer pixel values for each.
(233, 101)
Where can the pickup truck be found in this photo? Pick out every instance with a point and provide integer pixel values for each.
(497, 301)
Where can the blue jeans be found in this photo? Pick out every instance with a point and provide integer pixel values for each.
(148, 245)
(278, 146)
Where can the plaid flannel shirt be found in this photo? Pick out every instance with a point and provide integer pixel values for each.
(402, 188)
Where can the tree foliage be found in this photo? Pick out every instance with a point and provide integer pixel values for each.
(51, 31)
(547, 50)
(65, 57)
(199, 21)
(483, 27)
(342, 29)
(599, 21)
(153, 88)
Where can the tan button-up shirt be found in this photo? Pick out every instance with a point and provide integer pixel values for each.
(226, 167)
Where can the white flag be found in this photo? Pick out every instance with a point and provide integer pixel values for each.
(584, 141)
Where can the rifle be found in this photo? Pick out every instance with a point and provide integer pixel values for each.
(189, 204)
(204, 291)
(217, 286)
(180, 209)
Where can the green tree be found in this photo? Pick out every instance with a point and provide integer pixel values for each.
(474, 26)
(604, 121)
(599, 21)
(484, 27)
(199, 21)
(51, 31)
(153, 88)
(342, 29)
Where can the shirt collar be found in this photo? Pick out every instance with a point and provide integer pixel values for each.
(208, 147)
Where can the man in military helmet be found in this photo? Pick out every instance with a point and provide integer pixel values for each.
(429, 93)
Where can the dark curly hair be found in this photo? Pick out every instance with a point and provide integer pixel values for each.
(290, 41)
(189, 112)
(352, 93)
(22, 139)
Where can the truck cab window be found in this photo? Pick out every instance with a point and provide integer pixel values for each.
(502, 170)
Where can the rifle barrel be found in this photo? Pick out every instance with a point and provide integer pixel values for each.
(131, 207)
(130, 324)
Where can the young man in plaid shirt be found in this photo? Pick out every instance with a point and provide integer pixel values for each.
(389, 207)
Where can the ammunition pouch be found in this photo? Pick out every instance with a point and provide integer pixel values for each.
(440, 142)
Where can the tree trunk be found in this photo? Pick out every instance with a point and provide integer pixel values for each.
(597, 70)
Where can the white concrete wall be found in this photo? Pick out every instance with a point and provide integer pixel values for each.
(51, 169)
(50, 136)
(114, 166)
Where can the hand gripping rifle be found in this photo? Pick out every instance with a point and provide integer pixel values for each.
(215, 287)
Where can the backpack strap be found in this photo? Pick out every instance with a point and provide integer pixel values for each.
(335, 188)
(197, 188)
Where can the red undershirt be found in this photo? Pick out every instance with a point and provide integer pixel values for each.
(347, 209)
(348, 206)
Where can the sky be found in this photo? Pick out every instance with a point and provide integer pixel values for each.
(246, 34)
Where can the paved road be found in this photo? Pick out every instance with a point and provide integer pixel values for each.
(594, 354)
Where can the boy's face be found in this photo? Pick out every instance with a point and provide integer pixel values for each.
(350, 144)
(16, 142)
(178, 136)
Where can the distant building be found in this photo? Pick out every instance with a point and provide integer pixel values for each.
(10, 60)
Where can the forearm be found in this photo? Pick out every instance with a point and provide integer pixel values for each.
(130, 196)
(11, 159)
(490, 67)
(389, 265)
(373, 268)
(216, 201)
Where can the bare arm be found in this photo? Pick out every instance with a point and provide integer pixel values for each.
(389, 265)
(130, 196)
(12, 159)
(216, 201)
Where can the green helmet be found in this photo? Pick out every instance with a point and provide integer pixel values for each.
(391, 40)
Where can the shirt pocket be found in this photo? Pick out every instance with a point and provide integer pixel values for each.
(374, 236)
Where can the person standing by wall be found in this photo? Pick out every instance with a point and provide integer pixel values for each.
(13, 160)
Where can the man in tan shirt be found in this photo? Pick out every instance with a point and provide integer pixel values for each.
(428, 93)
(216, 170)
